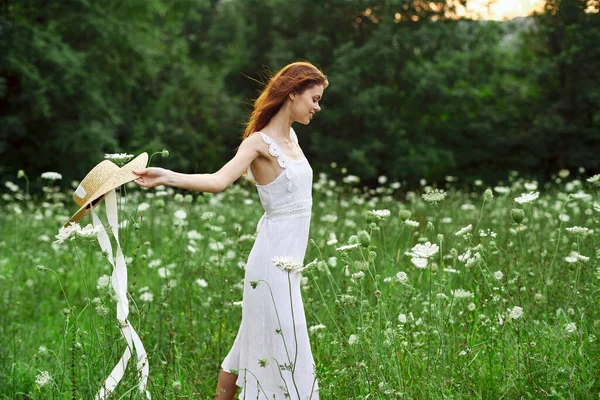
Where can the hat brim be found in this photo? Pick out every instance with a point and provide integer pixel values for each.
(123, 175)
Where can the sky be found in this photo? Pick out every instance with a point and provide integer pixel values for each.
(500, 9)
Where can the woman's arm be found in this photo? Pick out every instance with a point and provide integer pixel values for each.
(250, 148)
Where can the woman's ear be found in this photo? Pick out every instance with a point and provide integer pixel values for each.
(293, 96)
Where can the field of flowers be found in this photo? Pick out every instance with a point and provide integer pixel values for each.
(488, 292)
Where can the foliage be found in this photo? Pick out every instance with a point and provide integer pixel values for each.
(415, 92)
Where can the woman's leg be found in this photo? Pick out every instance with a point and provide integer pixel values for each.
(226, 387)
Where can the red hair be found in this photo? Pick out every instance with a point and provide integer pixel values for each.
(293, 78)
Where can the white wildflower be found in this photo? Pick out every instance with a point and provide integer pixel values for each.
(143, 207)
(580, 230)
(351, 179)
(348, 247)
(462, 294)
(434, 196)
(402, 276)
(531, 185)
(194, 235)
(571, 327)
(352, 339)
(358, 275)
(52, 176)
(502, 189)
(575, 256)
(43, 378)
(426, 250)
(498, 275)
(287, 264)
(464, 231)
(411, 223)
(402, 318)
(527, 197)
(103, 282)
(516, 312)
(380, 214)
(180, 214)
(89, 231)
(594, 179)
(118, 158)
(11, 186)
(163, 272)
(202, 283)
(331, 218)
(68, 233)
(315, 328)
(147, 297)
(419, 262)
(216, 246)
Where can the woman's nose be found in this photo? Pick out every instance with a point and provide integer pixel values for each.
(317, 108)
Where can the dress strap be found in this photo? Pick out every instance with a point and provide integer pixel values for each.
(275, 150)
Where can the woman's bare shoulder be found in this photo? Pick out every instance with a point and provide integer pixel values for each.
(256, 142)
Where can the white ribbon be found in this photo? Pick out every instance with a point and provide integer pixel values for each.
(119, 284)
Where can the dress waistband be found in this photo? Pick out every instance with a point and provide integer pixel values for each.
(295, 210)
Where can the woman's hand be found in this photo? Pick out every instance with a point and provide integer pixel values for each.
(151, 177)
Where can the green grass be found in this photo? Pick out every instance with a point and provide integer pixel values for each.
(54, 318)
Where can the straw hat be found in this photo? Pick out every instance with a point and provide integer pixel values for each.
(103, 178)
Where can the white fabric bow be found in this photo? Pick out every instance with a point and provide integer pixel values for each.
(119, 284)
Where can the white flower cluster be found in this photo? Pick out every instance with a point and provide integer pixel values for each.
(575, 256)
(594, 179)
(348, 247)
(464, 231)
(469, 258)
(52, 176)
(516, 312)
(350, 179)
(434, 196)
(287, 264)
(402, 276)
(421, 252)
(75, 230)
(380, 214)
(43, 379)
(118, 158)
(527, 197)
(103, 282)
(580, 230)
(315, 328)
(571, 327)
(180, 214)
(411, 223)
(462, 294)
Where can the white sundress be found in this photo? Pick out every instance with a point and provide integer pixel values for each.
(272, 351)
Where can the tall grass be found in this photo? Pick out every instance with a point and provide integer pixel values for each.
(506, 310)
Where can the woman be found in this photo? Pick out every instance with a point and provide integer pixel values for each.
(271, 356)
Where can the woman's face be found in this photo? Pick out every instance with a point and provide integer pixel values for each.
(306, 104)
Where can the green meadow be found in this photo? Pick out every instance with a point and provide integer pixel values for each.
(487, 291)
